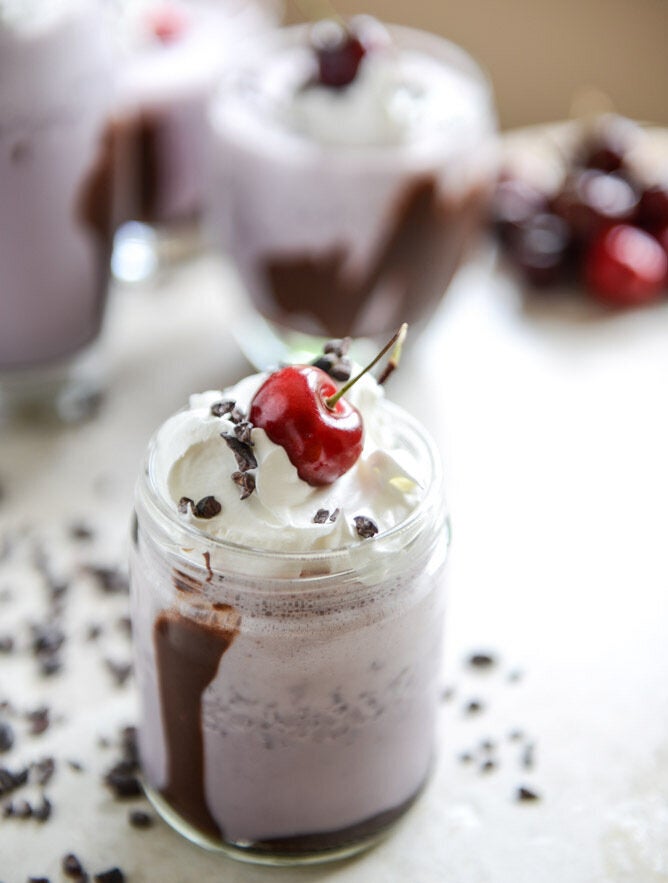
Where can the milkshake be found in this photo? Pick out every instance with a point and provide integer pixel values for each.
(170, 55)
(348, 202)
(55, 191)
(287, 623)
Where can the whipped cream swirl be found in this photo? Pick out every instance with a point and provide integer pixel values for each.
(191, 459)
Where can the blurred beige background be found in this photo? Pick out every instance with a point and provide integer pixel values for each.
(543, 54)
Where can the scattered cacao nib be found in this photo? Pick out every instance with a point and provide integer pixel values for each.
(120, 671)
(338, 346)
(334, 515)
(243, 452)
(93, 631)
(482, 660)
(38, 720)
(487, 766)
(207, 507)
(321, 516)
(6, 736)
(41, 772)
(124, 624)
(334, 361)
(10, 781)
(487, 745)
(526, 794)
(72, 867)
(47, 637)
(246, 482)
(42, 813)
(129, 746)
(516, 735)
(185, 504)
(113, 875)
(75, 766)
(140, 819)
(38, 880)
(6, 644)
(466, 757)
(220, 409)
(338, 368)
(111, 580)
(243, 432)
(122, 780)
(528, 758)
(80, 531)
(473, 706)
(365, 527)
(50, 664)
(19, 809)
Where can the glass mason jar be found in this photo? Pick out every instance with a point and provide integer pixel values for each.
(288, 699)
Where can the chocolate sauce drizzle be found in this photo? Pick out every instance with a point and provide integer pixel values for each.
(188, 654)
(416, 260)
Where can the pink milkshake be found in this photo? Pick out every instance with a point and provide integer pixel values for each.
(55, 191)
(171, 53)
(287, 634)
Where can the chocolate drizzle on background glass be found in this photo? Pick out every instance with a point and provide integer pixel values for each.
(427, 237)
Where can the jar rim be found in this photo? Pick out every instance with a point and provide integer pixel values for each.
(187, 535)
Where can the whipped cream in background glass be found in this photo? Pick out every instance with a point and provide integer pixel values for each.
(347, 210)
(56, 189)
(288, 670)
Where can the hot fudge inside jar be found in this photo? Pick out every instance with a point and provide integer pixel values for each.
(287, 614)
(352, 167)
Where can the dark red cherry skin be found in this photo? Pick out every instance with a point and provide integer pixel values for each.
(339, 52)
(591, 201)
(608, 147)
(625, 267)
(653, 208)
(541, 250)
(515, 204)
(322, 443)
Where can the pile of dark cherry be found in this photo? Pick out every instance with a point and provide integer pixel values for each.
(605, 229)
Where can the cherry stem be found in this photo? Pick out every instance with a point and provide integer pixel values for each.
(397, 342)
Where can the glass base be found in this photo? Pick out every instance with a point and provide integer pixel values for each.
(67, 391)
(269, 854)
(142, 251)
(267, 344)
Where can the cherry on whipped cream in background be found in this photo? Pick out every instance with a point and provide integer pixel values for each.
(339, 52)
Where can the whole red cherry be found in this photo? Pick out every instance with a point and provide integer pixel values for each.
(626, 267)
(322, 442)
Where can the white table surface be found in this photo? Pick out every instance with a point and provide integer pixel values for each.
(553, 421)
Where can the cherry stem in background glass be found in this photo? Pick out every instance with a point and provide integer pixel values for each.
(397, 342)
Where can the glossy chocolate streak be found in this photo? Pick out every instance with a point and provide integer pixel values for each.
(188, 653)
(414, 264)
